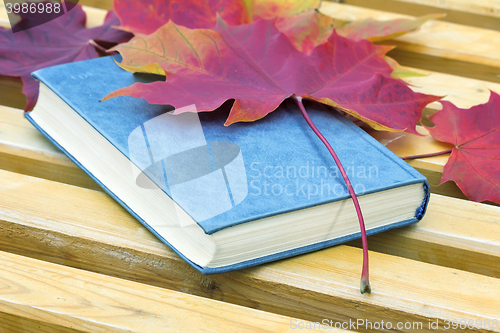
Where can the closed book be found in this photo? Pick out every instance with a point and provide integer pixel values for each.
(225, 197)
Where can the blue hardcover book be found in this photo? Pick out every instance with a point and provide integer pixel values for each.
(225, 198)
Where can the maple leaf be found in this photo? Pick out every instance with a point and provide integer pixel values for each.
(269, 9)
(474, 163)
(307, 30)
(147, 16)
(258, 67)
(62, 40)
(400, 72)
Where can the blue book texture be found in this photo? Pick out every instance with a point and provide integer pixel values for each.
(222, 176)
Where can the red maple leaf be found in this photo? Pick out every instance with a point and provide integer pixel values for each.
(62, 40)
(474, 163)
(258, 67)
(147, 16)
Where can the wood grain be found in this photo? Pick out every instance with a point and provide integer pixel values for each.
(101, 4)
(25, 150)
(86, 229)
(452, 234)
(76, 299)
(11, 92)
(481, 13)
(4, 19)
(484, 7)
(19, 324)
(95, 16)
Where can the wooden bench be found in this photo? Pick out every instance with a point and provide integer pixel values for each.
(72, 259)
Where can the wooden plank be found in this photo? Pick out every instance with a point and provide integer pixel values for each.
(101, 4)
(438, 46)
(19, 324)
(11, 92)
(413, 58)
(25, 150)
(454, 233)
(481, 13)
(69, 298)
(484, 7)
(87, 229)
(95, 16)
(4, 20)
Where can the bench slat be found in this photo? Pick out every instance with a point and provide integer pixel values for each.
(19, 324)
(65, 297)
(481, 13)
(453, 233)
(11, 92)
(87, 229)
(25, 150)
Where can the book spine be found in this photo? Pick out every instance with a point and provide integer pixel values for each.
(422, 209)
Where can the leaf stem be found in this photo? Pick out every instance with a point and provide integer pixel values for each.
(97, 46)
(427, 155)
(365, 283)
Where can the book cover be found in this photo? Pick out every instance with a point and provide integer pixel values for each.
(221, 176)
